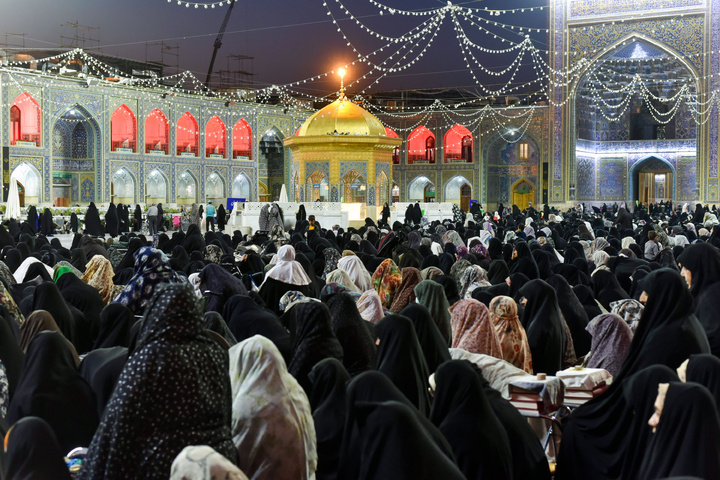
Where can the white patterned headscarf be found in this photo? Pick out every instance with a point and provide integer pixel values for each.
(357, 272)
(272, 423)
(201, 462)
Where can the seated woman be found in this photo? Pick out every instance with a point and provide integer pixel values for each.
(32, 451)
(687, 434)
(272, 425)
(173, 392)
(286, 275)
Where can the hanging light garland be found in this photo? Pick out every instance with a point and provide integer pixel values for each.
(203, 5)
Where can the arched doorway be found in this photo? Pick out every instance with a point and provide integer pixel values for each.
(354, 188)
(396, 151)
(395, 194)
(241, 187)
(186, 189)
(76, 144)
(652, 181)
(29, 181)
(316, 187)
(381, 189)
(465, 194)
(155, 187)
(458, 190)
(214, 187)
(523, 194)
(122, 188)
(271, 161)
(242, 140)
(429, 193)
(418, 189)
(296, 186)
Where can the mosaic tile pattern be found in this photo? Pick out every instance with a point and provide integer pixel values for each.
(592, 8)
(585, 184)
(611, 179)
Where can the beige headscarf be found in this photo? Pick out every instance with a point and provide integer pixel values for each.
(511, 334)
(472, 330)
(99, 273)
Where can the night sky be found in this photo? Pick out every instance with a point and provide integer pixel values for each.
(290, 39)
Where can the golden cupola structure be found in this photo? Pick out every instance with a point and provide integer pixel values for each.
(342, 153)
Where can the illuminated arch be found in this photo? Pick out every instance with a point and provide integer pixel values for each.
(242, 139)
(157, 132)
(187, 135)
(215, 137)
(457, 144)
(421, 145)
(123, 128)
(25, 120)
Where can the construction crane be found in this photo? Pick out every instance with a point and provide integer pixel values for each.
(218, 43)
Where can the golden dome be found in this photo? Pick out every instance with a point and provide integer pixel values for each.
(342, 117)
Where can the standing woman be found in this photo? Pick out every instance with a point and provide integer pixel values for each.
(193, 215)
(221, 217)
(385, 215)
(74, 224)
(137, 218)
(160, 219)
(173, 392)
(112, 221)
(93, 226)
(32, 218)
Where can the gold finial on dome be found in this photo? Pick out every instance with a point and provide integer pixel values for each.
(341, 72)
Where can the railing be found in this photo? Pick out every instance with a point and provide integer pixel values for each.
(242, 153)
(150, 148)
(414, 158)
(457, 160)
(29, 137)
(185, 150)
(209, 152)
(116, 145)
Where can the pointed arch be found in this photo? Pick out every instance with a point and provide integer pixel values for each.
(418, 189)
(156, 187)
(157, 132)
(30, 179)
(382, 192)
(214, 186)
(457, 145)
(242, 139)
(396, 151)
(354, 188)
(215, 137)
(123, 129)
(186, 188)
(421, 145)
(523, 193)
(317, 187)
(122, 187)
(453, 188)
(187, 135)
(650, 165)
(241, 187)
(25, 120)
